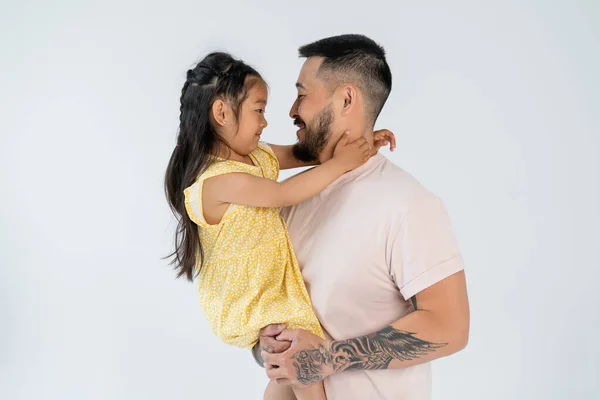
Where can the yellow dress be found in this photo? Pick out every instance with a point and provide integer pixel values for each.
(250, 277)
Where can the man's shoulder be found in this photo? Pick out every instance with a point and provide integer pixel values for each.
(392, 173)
(396, 185)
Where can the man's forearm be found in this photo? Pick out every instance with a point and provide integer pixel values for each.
(438, 326)
(391, 347)
(414, 339)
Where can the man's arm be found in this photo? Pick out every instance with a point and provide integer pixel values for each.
(438, 328)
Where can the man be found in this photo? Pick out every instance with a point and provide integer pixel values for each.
(376, 249)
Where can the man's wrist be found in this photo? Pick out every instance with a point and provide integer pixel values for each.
(335, 364)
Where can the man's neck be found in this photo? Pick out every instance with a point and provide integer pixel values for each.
(327, 154)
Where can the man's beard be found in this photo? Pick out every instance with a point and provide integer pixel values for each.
(316, 136)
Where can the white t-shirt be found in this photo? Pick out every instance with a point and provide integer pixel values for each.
(367, 244)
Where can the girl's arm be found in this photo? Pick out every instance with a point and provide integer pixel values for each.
(286, 157)
(287, 160)
(250, 190)
(382, 138)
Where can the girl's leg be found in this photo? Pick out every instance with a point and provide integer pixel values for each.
(314, 392)
(275, 391)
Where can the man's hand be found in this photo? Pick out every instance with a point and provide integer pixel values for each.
(306, 362)
(268, 343)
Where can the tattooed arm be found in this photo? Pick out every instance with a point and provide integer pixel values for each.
(438, 328)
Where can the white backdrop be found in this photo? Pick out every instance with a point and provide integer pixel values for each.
(496, 108)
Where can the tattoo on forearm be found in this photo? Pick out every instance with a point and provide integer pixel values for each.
(370, 352)
(377, 350)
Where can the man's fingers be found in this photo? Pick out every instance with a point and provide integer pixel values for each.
(280, 347)
(272, 345)
(272, 359)
(269, 348)
(272, 330)
(272, 373)
(279, 373)
(288, 334)
(276, 373)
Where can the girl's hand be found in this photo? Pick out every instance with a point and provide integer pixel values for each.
(351, 154)
(382, 138)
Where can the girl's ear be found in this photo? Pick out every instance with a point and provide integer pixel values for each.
(219, 112)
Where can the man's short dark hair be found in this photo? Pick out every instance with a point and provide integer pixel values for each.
(354, 59)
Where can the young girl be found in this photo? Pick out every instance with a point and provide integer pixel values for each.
(221, 182)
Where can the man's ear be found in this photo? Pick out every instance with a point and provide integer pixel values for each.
(349, 97)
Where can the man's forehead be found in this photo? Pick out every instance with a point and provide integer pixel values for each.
(308, 72)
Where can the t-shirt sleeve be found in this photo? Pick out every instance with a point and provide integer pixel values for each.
(423, 249)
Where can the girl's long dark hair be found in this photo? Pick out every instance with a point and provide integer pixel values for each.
(218, 75)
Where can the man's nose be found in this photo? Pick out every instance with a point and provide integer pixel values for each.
(294, 110)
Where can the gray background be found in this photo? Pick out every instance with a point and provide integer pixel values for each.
(496, 108)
